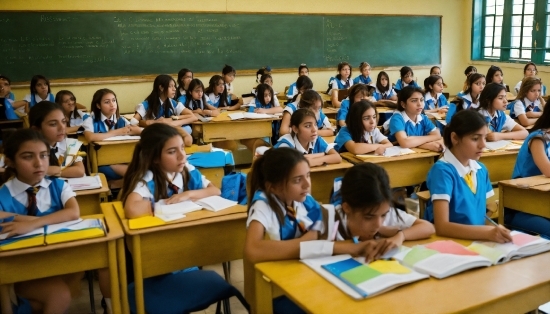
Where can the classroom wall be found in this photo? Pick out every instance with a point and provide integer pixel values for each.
(455, 21)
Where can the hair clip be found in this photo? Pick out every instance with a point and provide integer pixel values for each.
(303, 65)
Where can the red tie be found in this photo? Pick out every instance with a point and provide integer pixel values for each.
(291, 213)
(173, 188)
(110, 124)
(32, 208)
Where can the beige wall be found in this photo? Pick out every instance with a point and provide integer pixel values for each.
(455, 26)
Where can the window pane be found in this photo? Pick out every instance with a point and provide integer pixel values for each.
(516, 20)
(547, 57)
(498, 20)
(518, 9)
(489, 21)
(526, 54)
(500, 2)
(492, 3)
(490, 10)
(487, 52)
(500, 9)
(496, 52)
(516, 41)
(514, 53)
(529, 8)
(526, 41)
(488, 41)
(528, 31)
(527, 20)
(516, 31)
(498, 31)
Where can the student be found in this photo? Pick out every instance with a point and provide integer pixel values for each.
(217, 94)
(469, 70)
(261, 72)
(360, 135)
(106, 122)
(364, 77)
(304, 138)
(470, 96)
(303, 70)
(267, 79)
(7, 111)
(434, 100)
(495, 75)
(492, 105)
(312, 100)
(40, 90)
(357, 93)
(435, 70)
(31, 200)
(49, 119)
(160, 107)
(159, 171)
(303, 84)
(228, 74)
(5, 88)
(196, 101)
(341, 81)
(529, 70)
(384, 90)
(75, 117)
(407, 78)
(409, 127)
(459, 184)
(184, 78)
(527, 107)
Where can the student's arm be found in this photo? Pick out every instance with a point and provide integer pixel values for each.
(334, 99)
(539, 156)
(325, 132)
(136, 206)
(420, 229)
(285, 124)
(75, 170)
(525, 120)
(97, 137)
(275, 109)
(19, 103)
(237, 106)
(517, 133)
(435, 146)
(194, 195)
(364, 148)
(332, 157)
(211, 110)
(532, 114)
(416, 141)
(72, 129)
(445, 228)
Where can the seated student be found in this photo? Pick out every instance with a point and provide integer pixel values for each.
(407, 78)
(261, 72)
(409, 127)
(527, 107)
(434, 100)
(106, 122)
(341, 81)
(303, 84)
(5, 88)
(364, 77)
(435, 70)
(228, 74)
(184, 78)
(7, 111)
(533, 159)
(293, 90)
(160, 107)
(75, 117)
(529, 70)
(159, 171)
(267, 79)
(495, 75)
(312, 100)
(470, 96)
(31, 200)
(384, 90)
(468, 71)
(459, 184)
(196, 101)
(357, 93)
(360, 135)
(217, 94)
(49, 119)
(40, 90)
(492, 105)
(304, 138)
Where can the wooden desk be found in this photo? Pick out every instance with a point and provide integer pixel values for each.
(89, 200)
(532, 198)
(322, 179)
(404, 170)
(330, 112)
(500, 164)
(515, 287)
(110, 153)
(225, 129)
(201, 238)
(67, 258)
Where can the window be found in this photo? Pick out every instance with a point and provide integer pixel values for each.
(508, 30)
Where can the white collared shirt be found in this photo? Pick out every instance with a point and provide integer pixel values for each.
(18, 190)
(462, 170)
(406, 118)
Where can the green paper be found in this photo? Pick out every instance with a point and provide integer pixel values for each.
(490, 253)
(417, 254)
(359, 274)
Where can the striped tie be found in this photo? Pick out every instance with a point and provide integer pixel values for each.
(32, 208)
(470, 181)
(530, 107)
(173, 189)
(54, 161)
(494, 124)
(291, 213)
(110, 124)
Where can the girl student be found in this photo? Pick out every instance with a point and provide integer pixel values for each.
(312, 100)
(357, 93)
(341, 81)
(492, 106)
(434, 100)
(533, 159)
(384, 90)
(470, 96)
(217, 94)
(360, 135)
(40, 90)
(529, 70)
(267, 79)
(5, 88)
(7, 111)
(407, 78)
(160, 107)
(75, 117)
(303, 84)
(364, 77)
(303, 70)
(304, 138)
(31, 200)
(469, 70)
(159, 171)
(459, 184)
(228, 74)
(409, 127)
(495, 75)
(435, 70)
(49, 119)
(106, 122)
(527, 107)
(196, 101)
(184, 78)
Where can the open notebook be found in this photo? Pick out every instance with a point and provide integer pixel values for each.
(390, 152)
(84, 183)
(177, 211)
(249, 115)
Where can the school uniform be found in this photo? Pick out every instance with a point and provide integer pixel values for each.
(10, 96)
(291, 107)
(319, 145)
(175, 109)
(77, 118)
(518, 87)
(362, 79)
(214, 100)
(344, 136)
(520, 107)
(401, 122)
(431, 103)
(399, 85)
(60, 150)
(292, 91)
(499, 121)
(7, 112)
(447, 180)
(229, 88)
(256, 104)
(33, 99)
(467, 104)
(336, 83)
(194, 104)
(343, 110)
(378, 95)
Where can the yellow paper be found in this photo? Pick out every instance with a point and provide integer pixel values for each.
(75, 235)
(24, 243)
(389, 267)
(145, 222)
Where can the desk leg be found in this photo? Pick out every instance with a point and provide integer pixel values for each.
(500, 205)
(264, 294)
(138, 274)
(123, 281)
(5, 303)
(113, 272)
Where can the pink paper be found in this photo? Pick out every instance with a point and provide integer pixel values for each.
(521, 239)
(449, 247)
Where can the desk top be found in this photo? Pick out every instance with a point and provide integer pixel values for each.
(104, 143)
(223, 117)
(421, 153)
(539, 182)
(103, 189)
(467, 291)
(342, 165)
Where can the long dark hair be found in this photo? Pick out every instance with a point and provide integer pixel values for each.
(489, 93)
(303, 82)
(35, 80)
(192, 85)
(214, 80)
(181, 74)
(493, 69)
(354, 120)
(59, 100)
(96, 100)
(379, 82)
(153, 99)
(463, 123)
(261, 88)
(405, 94)
(38, 113)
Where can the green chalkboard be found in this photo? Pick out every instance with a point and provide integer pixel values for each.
(103, 44)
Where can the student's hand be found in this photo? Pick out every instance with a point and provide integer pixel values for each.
(500, 234)
(435, 146)
(17, 227)
(178, 198)
(134, 130)
(4, 214)
(373, 249)
(380, 150)
(122, 131)
(260, 110)
(395, 241)
(443, 110)
(493, 136)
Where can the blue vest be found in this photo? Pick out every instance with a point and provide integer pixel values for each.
(195, 183)
(10, 205)
(525, 165)
(513, 114)
(7, 111)
(160, 113)
(317, 148)
(260, 106)
(99, 126)
(362, 79)
(33, 99)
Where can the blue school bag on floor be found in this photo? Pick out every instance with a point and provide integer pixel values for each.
(234, 187)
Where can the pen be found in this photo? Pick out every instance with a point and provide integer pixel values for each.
(355, 240)
(491, 221)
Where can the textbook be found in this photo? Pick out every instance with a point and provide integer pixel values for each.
(390, 152)
(249, 115)
(176, 211)
(502, 145)
(84, 183)
(360, 280)
(122, 138)
(73, 230)
(30, 239)
(522, 245)
(71, 154)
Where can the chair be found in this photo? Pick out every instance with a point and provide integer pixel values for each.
(343, 94)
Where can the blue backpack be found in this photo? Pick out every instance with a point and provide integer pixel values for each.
(234, 187)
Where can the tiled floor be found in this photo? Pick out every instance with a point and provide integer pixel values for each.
(81, 305)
